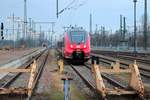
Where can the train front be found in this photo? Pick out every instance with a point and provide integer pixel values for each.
(77, 45)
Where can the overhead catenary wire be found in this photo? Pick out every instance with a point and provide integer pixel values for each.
(77, 5)
(70, 6)
(65, 7)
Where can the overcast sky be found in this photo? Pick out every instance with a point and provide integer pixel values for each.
(104, 12)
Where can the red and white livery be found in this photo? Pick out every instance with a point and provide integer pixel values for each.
(76, 44)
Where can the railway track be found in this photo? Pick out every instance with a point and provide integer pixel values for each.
(109, 60)
(115, 53)
(86, 75)
(139, 59)
(39, 72)
(11, 78)
(8, 79)
(110, 81)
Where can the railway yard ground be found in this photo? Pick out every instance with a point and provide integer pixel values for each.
(74, 50)
(50, 85)
(39, 74)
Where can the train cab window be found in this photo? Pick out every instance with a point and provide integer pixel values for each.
(78, 37)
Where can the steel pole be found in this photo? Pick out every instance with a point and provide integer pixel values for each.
(124, 28)
(13, 20)
(57, 8)
(135, 29)
(90, 24)
(145, 25)
(25, 19)
(52, 33)
(121, 27)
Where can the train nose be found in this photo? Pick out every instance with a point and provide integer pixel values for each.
(78, 55)
(79, 46)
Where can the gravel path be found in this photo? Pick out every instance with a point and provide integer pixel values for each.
(50, 86)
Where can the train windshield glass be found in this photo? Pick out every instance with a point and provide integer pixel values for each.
(78, 37)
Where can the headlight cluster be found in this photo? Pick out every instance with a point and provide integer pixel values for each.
(71, 46)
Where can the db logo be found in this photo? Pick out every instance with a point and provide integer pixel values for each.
(78, 46)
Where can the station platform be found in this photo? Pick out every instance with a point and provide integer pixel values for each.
(8, 56)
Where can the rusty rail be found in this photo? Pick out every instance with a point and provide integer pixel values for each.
(109, 61)
(34, 76)
(135, 81)
(123, 89)
(38, 75)
(26, 65)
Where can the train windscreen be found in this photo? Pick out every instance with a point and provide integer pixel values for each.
(78, 37)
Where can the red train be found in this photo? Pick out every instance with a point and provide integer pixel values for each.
(76, 44)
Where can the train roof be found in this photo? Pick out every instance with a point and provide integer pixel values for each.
(75, 29)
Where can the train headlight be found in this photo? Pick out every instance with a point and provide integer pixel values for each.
(84, 46)
(71, 46)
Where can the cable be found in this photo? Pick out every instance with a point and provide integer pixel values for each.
(70, 3)
(66, 7)
(79, 5)
(73, 7)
